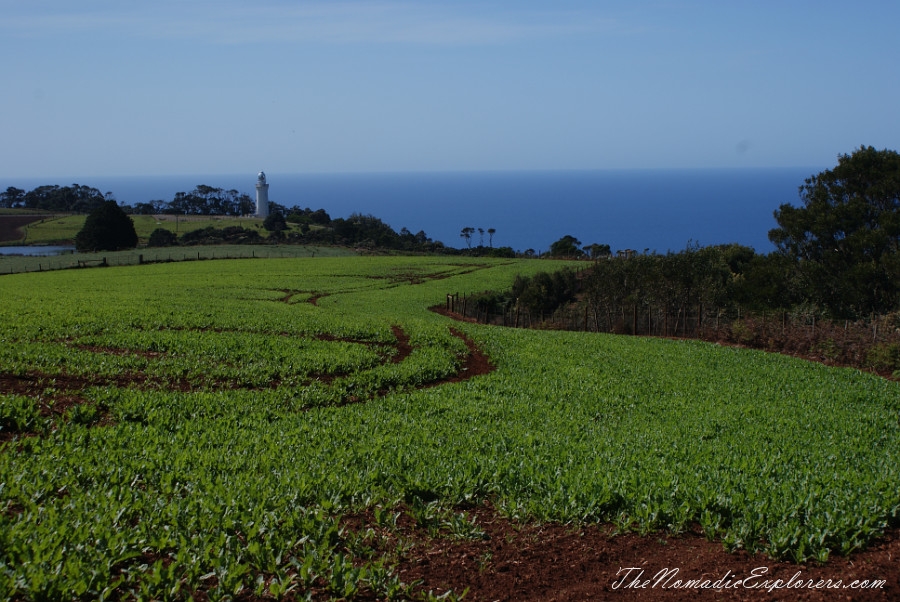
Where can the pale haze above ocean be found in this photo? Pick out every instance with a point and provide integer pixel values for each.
(656, 210)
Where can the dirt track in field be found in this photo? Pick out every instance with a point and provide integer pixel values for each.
(56, 393)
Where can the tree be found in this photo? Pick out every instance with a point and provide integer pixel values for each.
(275, 222)
(467, 233)
(319, 216)
(107, 228)
(491, 232)
(596, 250)
(567, 246)
(13, 197)
(846, 236)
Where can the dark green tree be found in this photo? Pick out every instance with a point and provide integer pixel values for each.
(765, 283)
(365, 230)
(543, 293)
(846, 236)
(13, 197)
(567, 246)
(596, 251)
(467, 233)
(275, 222)
(107, 228)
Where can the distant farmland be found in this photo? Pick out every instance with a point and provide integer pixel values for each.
(12, 226)
(61, 229)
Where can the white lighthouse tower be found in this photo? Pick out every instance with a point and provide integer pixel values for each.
(262, 196)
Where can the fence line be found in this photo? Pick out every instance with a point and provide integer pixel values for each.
(871, 343)
(17, 264)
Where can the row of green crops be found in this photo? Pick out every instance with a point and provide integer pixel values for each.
(241, 489)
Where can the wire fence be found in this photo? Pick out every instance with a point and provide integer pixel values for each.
(872, 343)
(17, 264)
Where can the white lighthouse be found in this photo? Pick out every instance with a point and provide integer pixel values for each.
(262, 196)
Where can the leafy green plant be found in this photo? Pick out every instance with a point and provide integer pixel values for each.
(19, 414)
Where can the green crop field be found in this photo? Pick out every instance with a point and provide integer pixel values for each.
(204, 426)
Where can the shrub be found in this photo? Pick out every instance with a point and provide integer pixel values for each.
(213, 236)
(884, 356)
(162, 238)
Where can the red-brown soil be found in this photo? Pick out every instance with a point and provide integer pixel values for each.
(476, 364)
(10, 226)
(440, 309)
(526, 561)
(554, 562)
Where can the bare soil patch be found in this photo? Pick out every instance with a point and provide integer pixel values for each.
(11, 226)
(477, 362)
(555, 562)
(403, 347)
(440, 309)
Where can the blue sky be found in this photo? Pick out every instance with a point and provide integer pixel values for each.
(129, 87)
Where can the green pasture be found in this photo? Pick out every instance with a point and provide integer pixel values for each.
(52, 230)
(8, 211)
(62, 230)
(260, 418)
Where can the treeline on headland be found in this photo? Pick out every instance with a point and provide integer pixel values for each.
(65, 199)
(203, 200)
(308, 227)
(286, 225)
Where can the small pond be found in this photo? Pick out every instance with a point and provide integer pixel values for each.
(38, 251)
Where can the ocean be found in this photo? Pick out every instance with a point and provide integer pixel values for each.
(653, 210)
